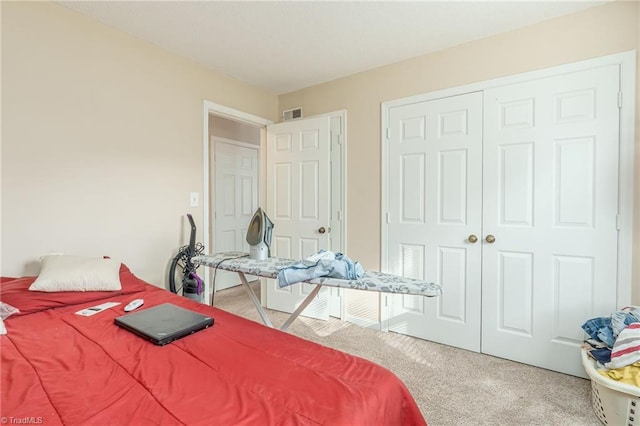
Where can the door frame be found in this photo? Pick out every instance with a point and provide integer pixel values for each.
(212, 108)
(627, 63)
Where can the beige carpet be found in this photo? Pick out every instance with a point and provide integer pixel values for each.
(451, 386)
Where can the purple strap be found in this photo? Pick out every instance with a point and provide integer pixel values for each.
(194, 276)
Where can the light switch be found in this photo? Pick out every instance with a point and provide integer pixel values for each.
(194, 199)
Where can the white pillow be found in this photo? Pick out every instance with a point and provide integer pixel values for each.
(77, 273)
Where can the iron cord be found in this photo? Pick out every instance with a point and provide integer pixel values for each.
(215, 271)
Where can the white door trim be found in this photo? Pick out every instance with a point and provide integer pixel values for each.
(627, 63)
(339, 186)
(237, 115)
(341, 183)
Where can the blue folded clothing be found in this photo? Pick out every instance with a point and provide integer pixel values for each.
(606, 329)
(323, 264)
(602, 355)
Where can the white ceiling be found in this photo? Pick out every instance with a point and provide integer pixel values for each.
(288, 45)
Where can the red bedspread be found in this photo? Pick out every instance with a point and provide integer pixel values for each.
(62, 368)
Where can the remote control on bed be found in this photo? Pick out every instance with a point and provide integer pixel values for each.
(134, 304)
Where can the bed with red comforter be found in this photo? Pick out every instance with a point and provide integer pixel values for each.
(61, 368)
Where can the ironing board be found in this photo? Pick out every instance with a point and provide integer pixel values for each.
(371, 281)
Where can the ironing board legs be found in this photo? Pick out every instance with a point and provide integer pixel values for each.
(300, 308)
(256, 302)
(263, 314)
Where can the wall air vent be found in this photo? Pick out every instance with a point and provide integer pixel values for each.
(291, 114)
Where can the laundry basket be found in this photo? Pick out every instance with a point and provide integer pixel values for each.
(614, 403)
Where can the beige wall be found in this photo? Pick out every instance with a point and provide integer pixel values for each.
(234, 130)
(599, 31)
(101, 140)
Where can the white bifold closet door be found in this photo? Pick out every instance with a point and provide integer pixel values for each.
(435, 204)
(531, 170)
(550, 201)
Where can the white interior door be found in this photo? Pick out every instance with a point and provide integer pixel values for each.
(236, 199)
(298, 202)
(434, 205)
(550, 201)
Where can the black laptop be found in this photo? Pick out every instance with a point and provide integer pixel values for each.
(164, 323)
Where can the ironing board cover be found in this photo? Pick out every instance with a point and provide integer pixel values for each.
(268, 268)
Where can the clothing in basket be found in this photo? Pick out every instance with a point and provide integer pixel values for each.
(626, 349)
(629, 374)
(606, 329)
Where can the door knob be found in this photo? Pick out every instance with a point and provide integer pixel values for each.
(490, 239)
(472, 238)
(322, 230)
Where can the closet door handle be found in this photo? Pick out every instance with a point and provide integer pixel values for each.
(490, 239)
(472, 238)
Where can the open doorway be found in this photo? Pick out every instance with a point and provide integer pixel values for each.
(234, 150)
(226, 125)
